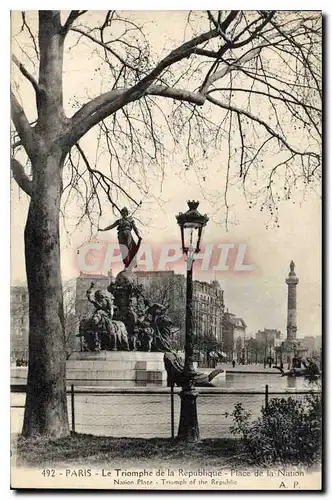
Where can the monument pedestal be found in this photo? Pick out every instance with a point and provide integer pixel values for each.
(117, 366)
(292, 350)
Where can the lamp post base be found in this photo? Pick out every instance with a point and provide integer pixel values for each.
(188, 426)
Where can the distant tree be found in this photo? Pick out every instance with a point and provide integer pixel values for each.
(250, 348)
(207, 344)
(238, 347)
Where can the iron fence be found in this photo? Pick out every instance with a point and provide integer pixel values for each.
(154, 412)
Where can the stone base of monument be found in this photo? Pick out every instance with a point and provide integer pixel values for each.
(117, 366)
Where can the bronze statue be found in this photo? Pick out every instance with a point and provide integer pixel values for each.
(100, 300)
(174, 366)
(144, 335)
(103, 312)
(161, 324)
(307, 369)
(99, 331)
(125, 319)
(89, 329)
(125, 225)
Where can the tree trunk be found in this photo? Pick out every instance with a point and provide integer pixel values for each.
(46, 403)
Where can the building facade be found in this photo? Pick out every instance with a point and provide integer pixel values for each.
(208, 305)
(312, 345)
(234, 337)
(268, 341)
(269, 336)
(169, 288)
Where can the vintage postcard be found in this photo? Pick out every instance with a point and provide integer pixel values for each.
(166, 250)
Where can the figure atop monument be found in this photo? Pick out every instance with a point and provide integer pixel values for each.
(128, 246)
(292, 278)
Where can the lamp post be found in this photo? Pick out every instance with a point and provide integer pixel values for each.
(191, 225)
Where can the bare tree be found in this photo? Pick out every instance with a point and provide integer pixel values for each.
(231, 66)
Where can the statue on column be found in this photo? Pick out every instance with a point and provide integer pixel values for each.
(128, 246)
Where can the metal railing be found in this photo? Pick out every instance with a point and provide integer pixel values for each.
(154, 411)
(206, 412)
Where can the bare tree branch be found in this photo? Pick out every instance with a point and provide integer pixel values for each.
(20, 176)
(22, 125)
(110, 102)
(108, 105)
(106, 181)
(26, 25)
(208, 53)
(74, 14)
(241, 61)
(26, 73)
(247, 47)
(293, 100)
(268, 128)
(106, 47)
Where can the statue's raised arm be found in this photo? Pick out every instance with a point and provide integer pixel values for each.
(112, 226)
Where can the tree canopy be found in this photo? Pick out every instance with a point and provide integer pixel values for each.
(244, 85)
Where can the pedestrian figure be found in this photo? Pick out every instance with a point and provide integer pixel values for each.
(233, 363)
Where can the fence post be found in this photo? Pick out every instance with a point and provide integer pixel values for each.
(172, 409)
(266, 396)
(72, 397)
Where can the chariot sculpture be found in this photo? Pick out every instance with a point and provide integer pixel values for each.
(124, 319)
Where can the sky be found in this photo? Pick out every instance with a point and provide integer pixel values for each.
(259, 296)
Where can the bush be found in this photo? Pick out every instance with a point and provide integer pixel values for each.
(288, 431)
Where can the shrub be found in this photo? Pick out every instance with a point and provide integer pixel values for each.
(288, 430)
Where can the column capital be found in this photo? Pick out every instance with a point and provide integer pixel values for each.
(292, 279)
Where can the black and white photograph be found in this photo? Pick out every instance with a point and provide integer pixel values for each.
(166, 250)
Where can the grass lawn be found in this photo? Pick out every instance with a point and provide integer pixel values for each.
(88, 450)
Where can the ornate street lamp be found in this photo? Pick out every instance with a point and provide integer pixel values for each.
(191, 224)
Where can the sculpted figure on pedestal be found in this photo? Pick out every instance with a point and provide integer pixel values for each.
(124, 319)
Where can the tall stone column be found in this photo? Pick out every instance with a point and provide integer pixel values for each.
(292, 282)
